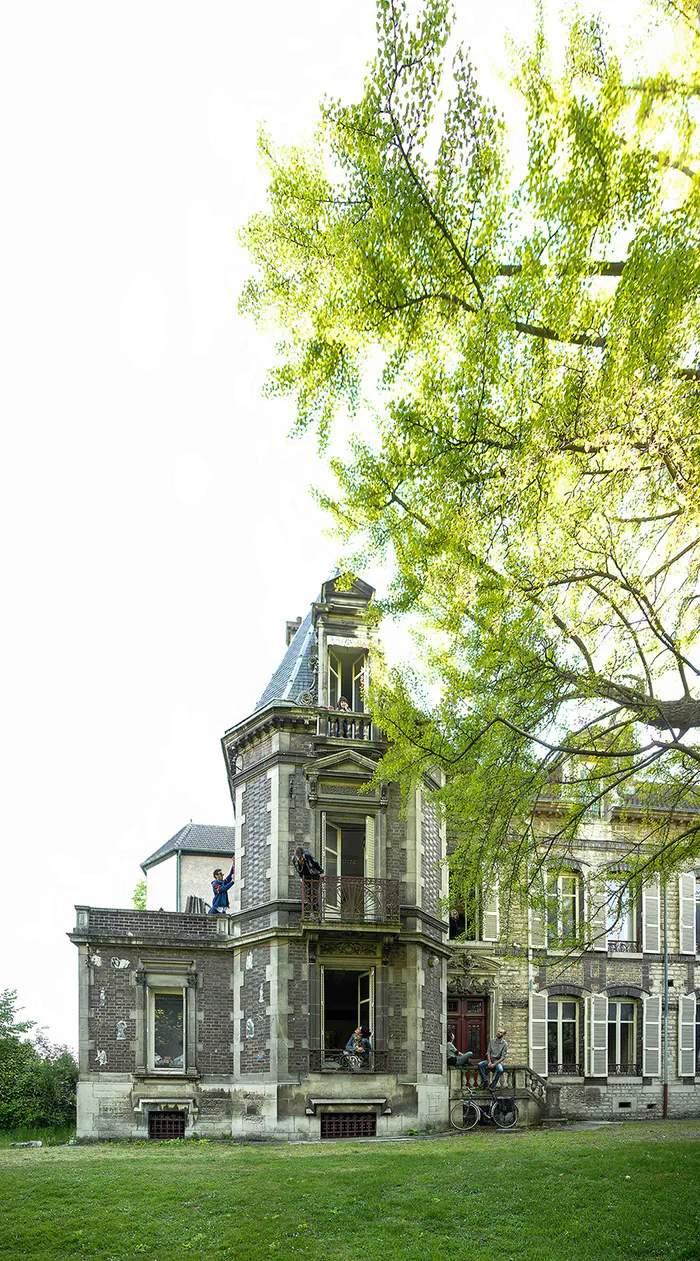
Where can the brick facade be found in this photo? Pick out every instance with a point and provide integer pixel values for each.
(255, 839)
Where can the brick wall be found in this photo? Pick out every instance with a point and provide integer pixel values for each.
(397, 999)
(214, 1015)
(255, 835)
(396, 855)
(257, 752)
(431, 1032)
(112, 998)
(298, 1003)
(430, 866)
(255, 997)
(300, 817)
(119, 924)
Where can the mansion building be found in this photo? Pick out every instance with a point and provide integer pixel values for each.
(235, 1025)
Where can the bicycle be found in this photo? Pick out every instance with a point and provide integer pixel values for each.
(501, 1111)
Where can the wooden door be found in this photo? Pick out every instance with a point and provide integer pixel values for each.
(467, 1016)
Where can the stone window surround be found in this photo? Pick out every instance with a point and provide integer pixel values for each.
(173, 975)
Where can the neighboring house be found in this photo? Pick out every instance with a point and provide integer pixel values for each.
(236, 1024)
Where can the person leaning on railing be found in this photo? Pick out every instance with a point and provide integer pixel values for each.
(360, 1044)
(310, 870)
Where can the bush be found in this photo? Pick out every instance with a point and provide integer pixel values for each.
(37, 1078)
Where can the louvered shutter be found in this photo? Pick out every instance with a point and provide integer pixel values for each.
(686, 1035)
(651, 917)
(536, 921)
(686, 912)
(369, 846)
(597, 919)
(652, 1037)
(323, 839)
(490, 922)
(597, 1035)
(538, 1034)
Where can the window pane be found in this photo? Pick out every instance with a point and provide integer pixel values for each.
(626, 1044)
(612, 1043)
(552, 1010)
(626, 1011)
(552, 1044)
(568, 1011)
(169, 1030)
(568, 1043)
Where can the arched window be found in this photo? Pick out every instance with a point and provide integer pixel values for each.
(623, 1016)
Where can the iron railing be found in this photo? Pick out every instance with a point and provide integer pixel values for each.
(565, 1070)
(340, 1060)
(625, 947)
(344, 724)
(516, 1078)
(350, 900)
(624, 1070)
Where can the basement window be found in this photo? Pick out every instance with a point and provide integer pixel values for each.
(348, 1124)
(167, 1124)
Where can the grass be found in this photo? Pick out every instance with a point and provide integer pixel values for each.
(591, 1195)
(49, 1135)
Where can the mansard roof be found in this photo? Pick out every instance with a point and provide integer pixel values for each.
(293, 675)
(196, 838)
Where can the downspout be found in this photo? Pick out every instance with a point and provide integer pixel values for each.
(177, 879)
(665, 1102)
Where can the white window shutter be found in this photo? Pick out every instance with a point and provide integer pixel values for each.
(652, 1037)
(686, 912)
(686, 1034)
(323, 839)
(597, 1035)
(538, 1034)
(651, 917)
(369, 846)
(491, 929)
(597, 920)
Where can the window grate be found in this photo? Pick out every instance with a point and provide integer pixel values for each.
(348, 1125)
(168, 1124)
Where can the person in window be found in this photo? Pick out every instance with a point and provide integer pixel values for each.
(457, 923)
(309, 871)
(343, 708)
(220, 887)
(496, 1053)
(455, 1059)
(360, 1044)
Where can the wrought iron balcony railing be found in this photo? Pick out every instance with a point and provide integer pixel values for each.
(340, 1060)
(624, 1070)
(564, 1070)
(625, 947)
(350, 900)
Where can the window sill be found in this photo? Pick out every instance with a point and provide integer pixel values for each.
(564, 1079)
(626, 1081)
(624, 954)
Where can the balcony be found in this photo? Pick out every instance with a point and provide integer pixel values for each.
(339, 1060)
(345, 724)
(624, 1070)
(350, 900)
(625, 947)
(564, 1070)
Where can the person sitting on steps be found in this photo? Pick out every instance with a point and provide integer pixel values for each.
(454, 1058)
(495, 1058)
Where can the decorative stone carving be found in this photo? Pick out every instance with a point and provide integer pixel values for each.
(346, 946)
(307, 698)
(463, 986)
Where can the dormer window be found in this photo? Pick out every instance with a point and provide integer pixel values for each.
(347, 671)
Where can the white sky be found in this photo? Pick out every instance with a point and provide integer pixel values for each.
(156, 523)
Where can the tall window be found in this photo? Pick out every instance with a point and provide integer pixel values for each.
(562, 1035)
(622, 1037)
(167, 1029)
(562, 908)
(621, 913)
(697, 1039)
(697, 914)
(346, 677)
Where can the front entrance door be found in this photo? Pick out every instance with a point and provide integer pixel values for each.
(467, 1016)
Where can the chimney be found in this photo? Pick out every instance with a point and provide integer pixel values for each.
(292, 628)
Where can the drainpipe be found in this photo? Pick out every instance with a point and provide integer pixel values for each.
(665, 1105)
(177, 879)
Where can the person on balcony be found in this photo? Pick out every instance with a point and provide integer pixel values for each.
(359, 1044)
(496, 1053)
(220, 887)
(341, 725)
(456, 1059)
(310, 872)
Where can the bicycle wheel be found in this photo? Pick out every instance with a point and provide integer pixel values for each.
(465, 1114)
(504, 1113)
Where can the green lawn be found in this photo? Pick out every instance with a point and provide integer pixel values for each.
(622, 1191)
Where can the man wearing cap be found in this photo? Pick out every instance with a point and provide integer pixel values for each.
(495, 1058)
(220, 888)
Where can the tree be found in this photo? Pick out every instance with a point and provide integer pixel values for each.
(520, 359)
(37, 1079)
(139, 896)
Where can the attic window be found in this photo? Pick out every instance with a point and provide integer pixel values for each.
(347, 668)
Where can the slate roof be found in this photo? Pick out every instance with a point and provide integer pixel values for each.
(293, 675)
(196, 838)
